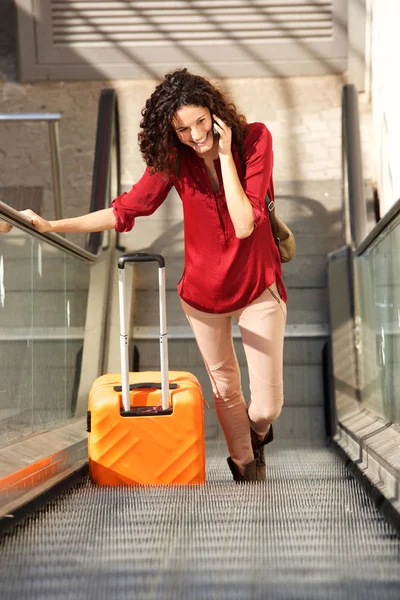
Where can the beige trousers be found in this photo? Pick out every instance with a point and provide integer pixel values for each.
(262, 325)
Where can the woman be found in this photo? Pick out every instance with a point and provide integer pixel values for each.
(193, 138)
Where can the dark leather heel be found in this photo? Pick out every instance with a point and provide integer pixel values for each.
(250, 470)
(258, 447)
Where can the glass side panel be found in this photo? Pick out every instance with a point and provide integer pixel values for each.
(378, 281)
(77, 286)
(342, 332)
(42, 319)
(16, 325)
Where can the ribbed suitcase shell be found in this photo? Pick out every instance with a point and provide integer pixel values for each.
(151, 449)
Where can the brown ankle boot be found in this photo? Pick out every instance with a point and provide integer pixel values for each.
(258, 447)
(250, 470)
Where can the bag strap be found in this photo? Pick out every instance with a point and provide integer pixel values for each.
(270, 204)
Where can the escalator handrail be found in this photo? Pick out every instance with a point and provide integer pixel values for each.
(12, 216)
(379, 228)
(356, 219)
(107, 141)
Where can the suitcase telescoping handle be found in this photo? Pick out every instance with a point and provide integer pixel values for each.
(135, 258)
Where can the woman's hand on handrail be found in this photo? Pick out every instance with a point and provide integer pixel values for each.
(36, 220)
(100, 220)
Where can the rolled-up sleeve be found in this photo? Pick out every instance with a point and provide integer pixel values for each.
(259, 159)
(142, 200)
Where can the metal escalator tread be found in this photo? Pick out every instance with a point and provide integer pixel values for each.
(310, 532)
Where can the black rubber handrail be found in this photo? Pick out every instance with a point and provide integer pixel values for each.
(12, 216)
(352, 166)
(106, 167)
(379, 228)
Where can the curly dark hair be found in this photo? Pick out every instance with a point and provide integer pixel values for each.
(157, 140)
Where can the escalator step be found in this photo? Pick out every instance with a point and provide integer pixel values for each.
(308, 532)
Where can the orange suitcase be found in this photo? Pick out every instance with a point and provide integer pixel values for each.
(137, 435)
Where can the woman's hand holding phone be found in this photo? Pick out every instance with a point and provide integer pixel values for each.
(224, 134)
(215, 129)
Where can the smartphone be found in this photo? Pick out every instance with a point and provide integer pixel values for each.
(215, 129)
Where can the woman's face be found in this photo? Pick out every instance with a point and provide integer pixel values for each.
(193, 126)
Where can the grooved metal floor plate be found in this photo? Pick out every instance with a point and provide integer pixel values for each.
(308, 533)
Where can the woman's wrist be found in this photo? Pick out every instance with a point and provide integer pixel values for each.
(226, 158)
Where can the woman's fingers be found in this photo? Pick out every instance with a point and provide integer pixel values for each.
(28, 213)
(219, 122)
(5, 227)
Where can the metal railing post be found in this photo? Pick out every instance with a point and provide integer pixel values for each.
(56, 169)
(52, 119)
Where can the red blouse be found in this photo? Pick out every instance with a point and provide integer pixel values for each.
(222, 273)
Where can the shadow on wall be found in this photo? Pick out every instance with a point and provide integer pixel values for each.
(203, 38)
(73, 19)
(310, 220)
(87, 36)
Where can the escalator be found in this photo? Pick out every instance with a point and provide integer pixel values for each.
(310, 531)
